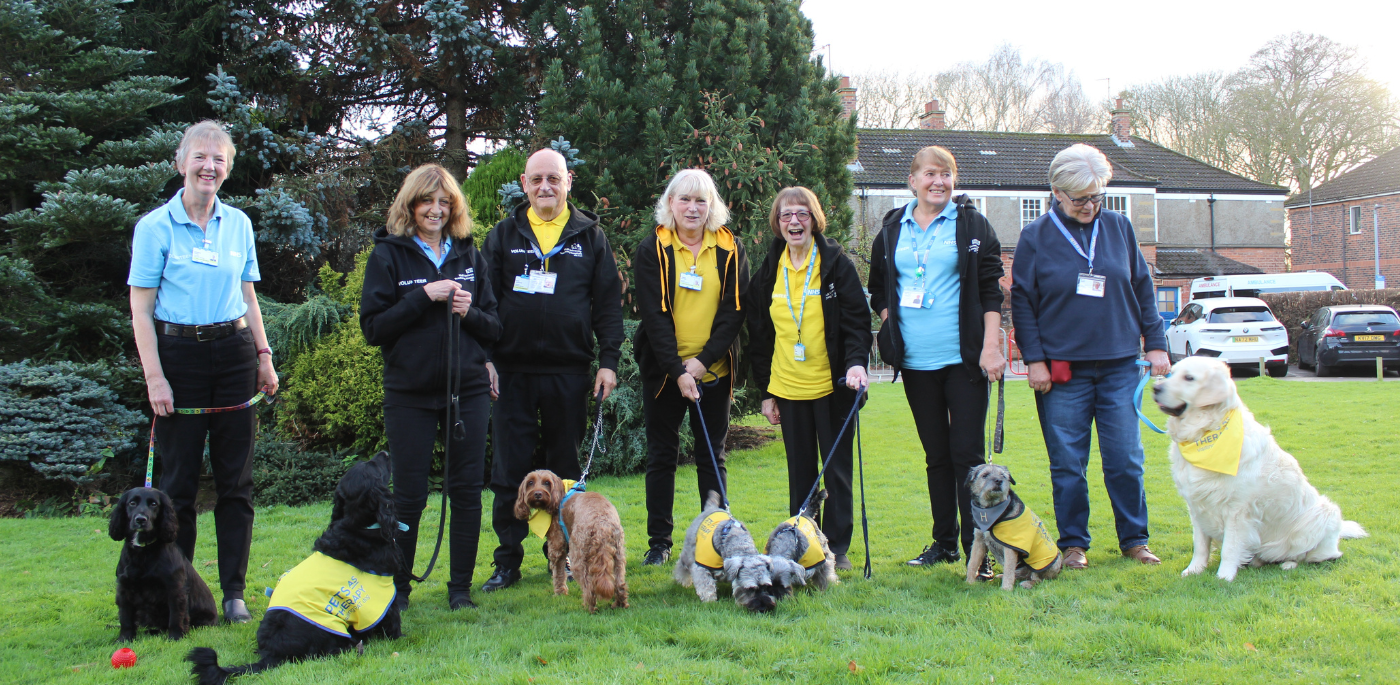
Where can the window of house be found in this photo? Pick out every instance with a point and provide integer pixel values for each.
(1117, 203)
(980, 203)
(1031, 210)
(1355, 223)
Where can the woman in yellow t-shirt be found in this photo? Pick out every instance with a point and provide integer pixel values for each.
(690, 277)
(809, 328)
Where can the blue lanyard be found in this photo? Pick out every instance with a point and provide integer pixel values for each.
(1093, 241)
(558, 245)
(797, 316)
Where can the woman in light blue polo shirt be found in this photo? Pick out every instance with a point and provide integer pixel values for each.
(200, 336)
(933, 279)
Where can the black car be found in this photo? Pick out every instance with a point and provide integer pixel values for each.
(1350, 335)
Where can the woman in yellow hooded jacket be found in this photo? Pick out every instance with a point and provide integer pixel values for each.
(689, 278)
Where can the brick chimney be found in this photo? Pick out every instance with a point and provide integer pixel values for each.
(1122, 124)
(932, 118)
(848, 97)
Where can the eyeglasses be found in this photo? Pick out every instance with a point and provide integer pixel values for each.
(801, 215)
(1081, 201)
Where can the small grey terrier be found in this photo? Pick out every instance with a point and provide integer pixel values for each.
(1014, 534)
(719, 546)
(801, 540)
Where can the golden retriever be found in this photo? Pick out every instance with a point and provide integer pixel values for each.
(1266, 512)
(585, 531)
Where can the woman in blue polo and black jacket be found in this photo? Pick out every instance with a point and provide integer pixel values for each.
(423, 264)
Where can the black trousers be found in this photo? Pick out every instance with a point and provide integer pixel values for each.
(809, 428)
(412, 433)
(950, 413)
(664, 408)
(532, 407)
(208, 375)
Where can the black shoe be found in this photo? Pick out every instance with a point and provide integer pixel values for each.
(934, 554)
(460, 600)
(235, 611)
(843, 563)
(501, 579)
(986, 573)
(657, 556)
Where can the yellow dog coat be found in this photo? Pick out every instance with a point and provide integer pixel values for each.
(1024, 533)
(705, 553)
(334, 595)
(1218, 450)
(814, 554)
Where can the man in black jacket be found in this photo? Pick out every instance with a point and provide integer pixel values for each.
(558, 288)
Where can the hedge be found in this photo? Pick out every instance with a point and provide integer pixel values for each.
(1295, 308)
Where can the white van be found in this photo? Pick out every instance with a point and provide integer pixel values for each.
(1251, 285)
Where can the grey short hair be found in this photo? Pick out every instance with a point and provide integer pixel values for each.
(696, 183)
(205, 131)
(1078, 168)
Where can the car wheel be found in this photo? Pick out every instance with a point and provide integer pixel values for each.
(1278, 371)
(1188, 349)
(1323, 370)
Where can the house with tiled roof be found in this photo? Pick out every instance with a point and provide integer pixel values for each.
(1341, 226)
(1192, 219)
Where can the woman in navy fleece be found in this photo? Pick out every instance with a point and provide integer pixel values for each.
(1082, 300)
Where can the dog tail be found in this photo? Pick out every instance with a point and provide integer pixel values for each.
(206, 667)
(604, 567)
(1352, 530)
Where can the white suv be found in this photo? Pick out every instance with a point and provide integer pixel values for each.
(1237, 330)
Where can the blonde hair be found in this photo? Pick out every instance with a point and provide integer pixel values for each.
(206, 131)
(1078, 168)
(695, 183)
(420, 184)
(797, 194)
(936, 155)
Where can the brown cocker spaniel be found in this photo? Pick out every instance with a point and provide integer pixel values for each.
(586, 531)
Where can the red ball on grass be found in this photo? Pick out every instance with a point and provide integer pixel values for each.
(123, 658)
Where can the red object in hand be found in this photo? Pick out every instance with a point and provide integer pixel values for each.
(123, 658)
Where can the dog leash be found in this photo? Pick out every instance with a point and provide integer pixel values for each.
(596, 447)
(453, 430)
(151, 445)
(699, 387)
(864, 522)
(993, 441)
(1137, 394)
(855, 408)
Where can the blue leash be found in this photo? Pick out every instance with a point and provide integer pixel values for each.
(1137, 395)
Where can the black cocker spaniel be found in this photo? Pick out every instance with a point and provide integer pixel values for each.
(341, 594)
(157, 587)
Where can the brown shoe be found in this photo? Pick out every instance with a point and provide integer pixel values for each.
(1142, 554)
(1074, 557)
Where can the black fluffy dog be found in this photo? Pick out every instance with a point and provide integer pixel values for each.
(361, 535)
(157, 587)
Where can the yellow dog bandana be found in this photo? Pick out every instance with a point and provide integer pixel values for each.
(815, 554)
(540, 519)
(334, 595)
(705, 553)
(1219, 450)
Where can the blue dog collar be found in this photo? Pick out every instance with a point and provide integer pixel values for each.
(402, 526)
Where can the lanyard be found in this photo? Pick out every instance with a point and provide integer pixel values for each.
(544, 257)
(797, 316)
(1093, 241)
(932, 234)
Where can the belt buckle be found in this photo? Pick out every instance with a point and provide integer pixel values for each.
(200, 331)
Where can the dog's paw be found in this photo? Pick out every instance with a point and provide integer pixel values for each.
(1288, 565)
(1227, 574)
(1193, 569)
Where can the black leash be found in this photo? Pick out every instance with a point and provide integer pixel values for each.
(453, 430)
(855, 408)
(994, 441)
(864, 522)
(719, 478)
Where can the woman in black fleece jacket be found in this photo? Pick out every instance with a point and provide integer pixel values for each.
(423, 263)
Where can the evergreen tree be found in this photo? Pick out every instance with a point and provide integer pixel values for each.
(628, 82)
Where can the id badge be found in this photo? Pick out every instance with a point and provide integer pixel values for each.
(912, 298)
(799, 352)
(523, 284)
(202, 256)
(691, 280)
(1090, 285)
(543, 282)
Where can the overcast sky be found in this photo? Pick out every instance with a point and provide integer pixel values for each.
(1127, 42)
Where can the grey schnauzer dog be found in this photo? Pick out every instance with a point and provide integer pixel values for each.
(719, 546)
(802, 541)
(1010, 530)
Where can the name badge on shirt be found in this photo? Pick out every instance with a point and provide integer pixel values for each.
(202, 256)
(912, 298)
(799, 352)
(691, 280)
(542, 282)
(523, 284)
(1090, 285)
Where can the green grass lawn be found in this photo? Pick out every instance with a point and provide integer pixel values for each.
(1116, 622)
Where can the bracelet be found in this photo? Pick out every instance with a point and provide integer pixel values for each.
(267, 350)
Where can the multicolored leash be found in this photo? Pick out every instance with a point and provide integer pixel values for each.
(151, 450)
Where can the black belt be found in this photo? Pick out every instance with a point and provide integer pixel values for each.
(205, 333)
